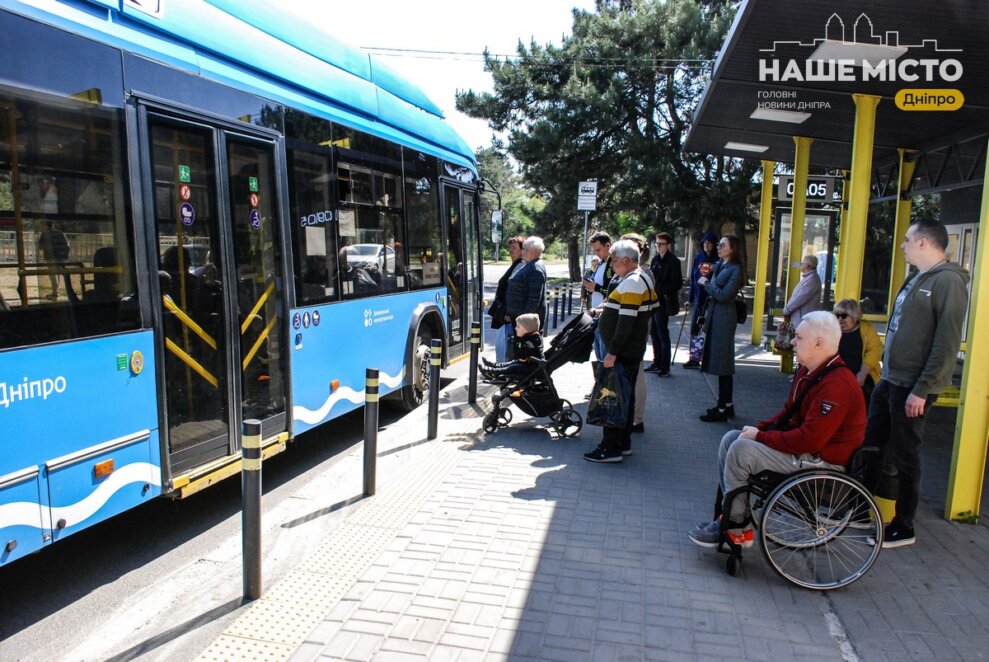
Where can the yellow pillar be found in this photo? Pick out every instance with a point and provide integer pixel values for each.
(849, 285)
(904, 204)
(846, 187)
(762, 254)
(968, 458)
(801, 166)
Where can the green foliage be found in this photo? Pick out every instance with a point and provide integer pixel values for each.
(520, 205)
(613, 102)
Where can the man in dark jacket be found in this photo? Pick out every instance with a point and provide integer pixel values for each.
(526, 291)
(665, 268)
(922, 339)
(697, 296)
(824, 432)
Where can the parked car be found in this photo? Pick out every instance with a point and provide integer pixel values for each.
(376, 257)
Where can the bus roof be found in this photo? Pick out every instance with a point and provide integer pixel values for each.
(248, 43)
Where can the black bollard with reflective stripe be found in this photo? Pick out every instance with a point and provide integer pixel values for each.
(475, 350)
(370, 431)
(556, 307)
(435, 359)
(250, 491)
(569, 299)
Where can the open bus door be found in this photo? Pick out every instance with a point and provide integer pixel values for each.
(218, 249)
(463, 280)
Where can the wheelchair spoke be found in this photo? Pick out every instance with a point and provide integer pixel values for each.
(817, 527)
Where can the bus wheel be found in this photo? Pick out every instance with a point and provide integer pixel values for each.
(416, 392)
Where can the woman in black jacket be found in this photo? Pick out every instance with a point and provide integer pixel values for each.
(498, 306)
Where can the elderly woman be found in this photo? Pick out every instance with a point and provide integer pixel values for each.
(806, 297)
(720, 320)
(526, 291)
(861, 348)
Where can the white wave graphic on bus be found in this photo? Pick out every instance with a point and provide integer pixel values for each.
(312, 417)
(25, 513)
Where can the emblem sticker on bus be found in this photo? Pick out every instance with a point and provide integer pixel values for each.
(187, 213)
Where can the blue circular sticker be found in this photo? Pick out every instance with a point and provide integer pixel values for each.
(305, 319)
(187, 213)
(255, 219)
(296, 321)
(298, 341)
(315, 318)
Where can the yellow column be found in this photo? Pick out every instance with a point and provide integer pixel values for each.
(801, 166)
(968, 458)
(849, 285)
(846, 187)
(762, 254)
(898, 267)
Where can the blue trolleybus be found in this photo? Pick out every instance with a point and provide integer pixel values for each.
(209, 211)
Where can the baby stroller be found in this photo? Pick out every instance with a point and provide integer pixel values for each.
(534, 392)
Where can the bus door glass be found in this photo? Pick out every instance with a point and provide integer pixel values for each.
(455, 270)
(472, 261)
(219, 261)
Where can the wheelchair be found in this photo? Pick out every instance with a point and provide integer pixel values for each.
(820, 529)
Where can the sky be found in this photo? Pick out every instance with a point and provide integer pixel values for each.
(459, 26)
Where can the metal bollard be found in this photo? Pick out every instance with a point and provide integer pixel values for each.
(570, 287)
(475, 350)
(250, 517)
(556, 307)
(370, 430)
(435, 358)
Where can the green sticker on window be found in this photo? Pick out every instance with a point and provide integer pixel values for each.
(252, 183)
(121, 361)
(185, 174)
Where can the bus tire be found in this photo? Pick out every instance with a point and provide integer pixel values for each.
(417, 390)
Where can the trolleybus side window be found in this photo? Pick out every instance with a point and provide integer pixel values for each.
(313, 207)
(422, 208)
(372, 258)
(66, 257)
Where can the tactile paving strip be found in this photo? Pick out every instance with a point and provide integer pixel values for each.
(276, 624)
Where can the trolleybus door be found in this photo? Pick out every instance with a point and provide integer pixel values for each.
(220, 277)
(463, 270)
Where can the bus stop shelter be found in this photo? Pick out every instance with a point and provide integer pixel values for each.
(896, 97)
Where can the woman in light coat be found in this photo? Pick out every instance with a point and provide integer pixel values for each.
(720, 321)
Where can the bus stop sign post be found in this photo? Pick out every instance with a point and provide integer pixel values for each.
(250, 492)
(587, 193)
(370, 431)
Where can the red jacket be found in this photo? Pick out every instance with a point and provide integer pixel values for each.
(830, 421)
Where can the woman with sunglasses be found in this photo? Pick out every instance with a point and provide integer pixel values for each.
(861, 348)
(720, 321)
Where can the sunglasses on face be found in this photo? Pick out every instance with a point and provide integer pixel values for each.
(722, 245)
(842, 316)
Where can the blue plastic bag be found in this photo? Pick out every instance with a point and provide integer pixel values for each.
(609, 399)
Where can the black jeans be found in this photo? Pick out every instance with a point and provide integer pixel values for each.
(899, 437)
(616, 440)
(659, 332)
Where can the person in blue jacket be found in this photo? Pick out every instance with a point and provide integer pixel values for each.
(697, 297)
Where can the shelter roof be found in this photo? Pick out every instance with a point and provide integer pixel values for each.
(784, 53)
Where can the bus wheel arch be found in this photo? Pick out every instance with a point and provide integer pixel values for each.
(426, 326)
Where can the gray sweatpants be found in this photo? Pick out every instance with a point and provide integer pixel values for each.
(740, 458)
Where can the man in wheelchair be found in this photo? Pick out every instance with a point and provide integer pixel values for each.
(820, 427)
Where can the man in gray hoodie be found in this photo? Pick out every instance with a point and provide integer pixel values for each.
(922, 339)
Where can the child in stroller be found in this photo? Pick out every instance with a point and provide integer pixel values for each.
(528, 350)
(533, 390)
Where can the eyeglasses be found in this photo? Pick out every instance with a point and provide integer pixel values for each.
(842, 316)
(662, 243)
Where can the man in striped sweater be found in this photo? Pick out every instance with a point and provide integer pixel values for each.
(623, 326)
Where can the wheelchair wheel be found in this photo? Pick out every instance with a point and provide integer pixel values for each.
(821, 530)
